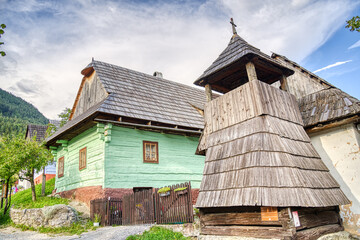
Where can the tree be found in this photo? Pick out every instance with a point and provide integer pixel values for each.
(2, 27)
(353, 24)
(10, 162)
(64, 118)
(23, 157)
(34, 158)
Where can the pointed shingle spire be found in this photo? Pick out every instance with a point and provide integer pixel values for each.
(228, 71)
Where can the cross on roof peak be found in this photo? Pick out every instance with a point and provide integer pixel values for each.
(233, 26)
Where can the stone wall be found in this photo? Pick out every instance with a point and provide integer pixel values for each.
(86, 194)
(50, 216)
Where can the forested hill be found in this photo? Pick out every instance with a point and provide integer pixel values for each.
(16, 113)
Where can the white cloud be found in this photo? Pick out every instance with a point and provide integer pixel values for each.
(49, 42)
(332, 65)
(355, 45)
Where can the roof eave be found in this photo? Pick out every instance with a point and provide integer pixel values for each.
(203, 79)
(64, 132)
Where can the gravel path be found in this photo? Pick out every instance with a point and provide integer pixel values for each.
(104, 233)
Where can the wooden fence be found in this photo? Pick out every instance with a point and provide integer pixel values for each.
(114, 212)
(99, 206)
(147, 206)
(174, 206)
(138, 208)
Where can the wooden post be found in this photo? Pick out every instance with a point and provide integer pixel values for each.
(43, 183)
(208, 92)
(283, 83)
(2, 195)
(251, 72)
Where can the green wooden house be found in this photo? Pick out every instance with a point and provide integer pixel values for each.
(128, 130)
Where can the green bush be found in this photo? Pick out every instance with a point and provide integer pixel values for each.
(158, 233)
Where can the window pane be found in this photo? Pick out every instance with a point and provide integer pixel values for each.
(150, 152)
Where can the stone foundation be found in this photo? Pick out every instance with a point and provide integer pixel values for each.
(86, 194)
(51, 216)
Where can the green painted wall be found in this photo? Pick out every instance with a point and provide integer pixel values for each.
(124, 167)
(93, 174)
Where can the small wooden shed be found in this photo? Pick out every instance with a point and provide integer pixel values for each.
(262, 176)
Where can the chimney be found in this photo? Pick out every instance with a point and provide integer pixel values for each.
(158, 74)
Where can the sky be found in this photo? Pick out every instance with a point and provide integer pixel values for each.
(48, 43)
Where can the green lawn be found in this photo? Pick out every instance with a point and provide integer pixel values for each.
(158, 233)
(23, 199)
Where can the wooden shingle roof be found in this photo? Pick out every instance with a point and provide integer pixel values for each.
(38, 130)
(239, 52)
(142, 96)
(327, 105)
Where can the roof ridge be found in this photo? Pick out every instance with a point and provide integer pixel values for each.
(148, 75)
(274, 55)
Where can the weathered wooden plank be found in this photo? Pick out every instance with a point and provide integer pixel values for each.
(91, 92)
(243, 218)
(246, 231)
(251, 72)
(310, 220)
(283, 83)
(315, 233)
(208, 92)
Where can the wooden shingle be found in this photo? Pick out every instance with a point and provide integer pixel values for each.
(258, 153)
(327, 105)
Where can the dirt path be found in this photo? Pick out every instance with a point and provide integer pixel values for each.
(113, 233)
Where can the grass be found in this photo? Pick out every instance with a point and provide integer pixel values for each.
(75, 228)
(23, 199)
(158, 233)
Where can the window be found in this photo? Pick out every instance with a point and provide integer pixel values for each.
(151, 153)
(82, 158)
(61, 167)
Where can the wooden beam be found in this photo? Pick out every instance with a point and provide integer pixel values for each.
(220, 88)
(283, 83)
(246, 231)
(208, 92)
(325, 126)
(62, 141)
(251, 72)
(263, 65)
(315, 233)
(316, 219)
(243, 218)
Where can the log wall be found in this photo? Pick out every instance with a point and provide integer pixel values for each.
(247, 222)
